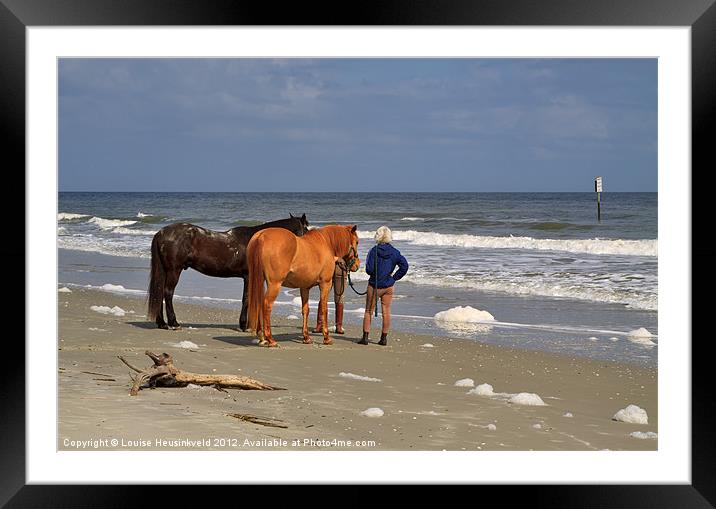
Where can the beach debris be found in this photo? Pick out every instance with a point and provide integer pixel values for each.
(632, 414)
(372, 412)
(359, 377)
(465, 382)
(165, 374)
(263, 421)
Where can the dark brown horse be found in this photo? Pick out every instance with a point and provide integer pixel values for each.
(181, 246)
(279, 258)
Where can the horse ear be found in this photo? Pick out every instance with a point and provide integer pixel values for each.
(355, 227)
(303, 216)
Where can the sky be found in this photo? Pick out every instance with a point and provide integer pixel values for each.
(417, 125)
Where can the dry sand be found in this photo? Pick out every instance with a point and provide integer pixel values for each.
(423, 410)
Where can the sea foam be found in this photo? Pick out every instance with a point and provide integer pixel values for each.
(108, 224)
(632, 414)
(644, 247)
(69, 216)
(372, 412)
(359, 377)
(106, 310)
(641, 336)
(526, 398)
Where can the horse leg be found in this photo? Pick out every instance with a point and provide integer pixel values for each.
(272, 292)
(323, 310)
(171, 283)
(304, 311)
(243, 319)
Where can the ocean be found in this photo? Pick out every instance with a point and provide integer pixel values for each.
(552, 276)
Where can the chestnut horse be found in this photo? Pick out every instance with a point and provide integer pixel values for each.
(180, 246)
(280, 258)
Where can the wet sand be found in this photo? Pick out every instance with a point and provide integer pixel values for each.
(320, 409)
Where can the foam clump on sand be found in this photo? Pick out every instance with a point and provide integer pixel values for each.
(632, 414)
(105, 310)
(112, 288)
(641, 435)
(465, 382)
(568, 415)
(64, 289)
(491, 427)
(372, 412)
(641, 336)
(185, 344)
(297, 301)
(482, 390)
(526, 398)
(464, 314)
(292, 317)
(464, 319)
(428, 345)
(358, 377)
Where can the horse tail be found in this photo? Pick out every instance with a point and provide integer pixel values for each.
(157, 278)
(254, 252)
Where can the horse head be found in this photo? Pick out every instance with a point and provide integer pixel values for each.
(301, 226)
(351, 258)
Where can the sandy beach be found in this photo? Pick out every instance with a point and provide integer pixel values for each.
(328, 387)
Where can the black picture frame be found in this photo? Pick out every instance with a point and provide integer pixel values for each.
(700, 15)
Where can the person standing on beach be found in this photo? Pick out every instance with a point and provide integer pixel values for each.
(339, 288)
(381, 262)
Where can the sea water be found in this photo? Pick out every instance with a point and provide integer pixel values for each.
(552, 275)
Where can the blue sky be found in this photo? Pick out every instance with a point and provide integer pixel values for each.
(357, 124)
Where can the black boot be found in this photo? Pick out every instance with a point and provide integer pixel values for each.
(364, 340)
(383, 339)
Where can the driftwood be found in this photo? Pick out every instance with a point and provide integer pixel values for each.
(164, 374)
(263, 421)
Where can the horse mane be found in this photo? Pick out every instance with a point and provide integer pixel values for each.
(337, 236)
(282, 223)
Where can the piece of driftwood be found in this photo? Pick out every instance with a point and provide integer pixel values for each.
(165, 374)
(263, 421)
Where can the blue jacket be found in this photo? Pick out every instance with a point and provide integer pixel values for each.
(388, 259)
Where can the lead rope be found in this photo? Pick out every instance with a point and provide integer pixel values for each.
(350, 282)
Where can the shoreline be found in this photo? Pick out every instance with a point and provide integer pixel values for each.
(423, 410)
(586, 329)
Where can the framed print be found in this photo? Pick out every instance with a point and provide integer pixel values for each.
(515, 172)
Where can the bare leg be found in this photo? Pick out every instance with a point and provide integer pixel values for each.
(304, 311)
(385, 302)
(369, 307)
(271, 294)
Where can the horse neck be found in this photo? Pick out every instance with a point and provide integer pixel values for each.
(337, 237)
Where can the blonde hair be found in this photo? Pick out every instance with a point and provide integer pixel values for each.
(383, 235)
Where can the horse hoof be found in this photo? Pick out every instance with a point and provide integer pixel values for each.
(272, 345)
(175, 327)
(162, 326)
(328, 341)
(307, 341)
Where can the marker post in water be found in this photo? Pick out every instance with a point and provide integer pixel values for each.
(598, 190)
